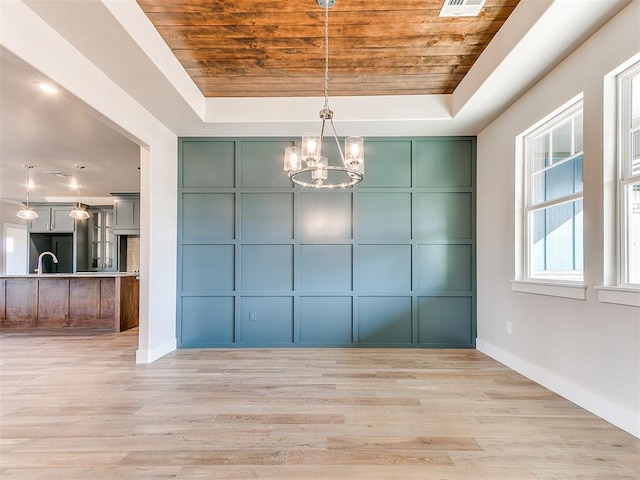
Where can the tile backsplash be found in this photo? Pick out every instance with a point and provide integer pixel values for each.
(133, 254)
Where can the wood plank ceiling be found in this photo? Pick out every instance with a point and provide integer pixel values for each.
(264, 48)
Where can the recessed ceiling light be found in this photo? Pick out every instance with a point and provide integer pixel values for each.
(47, 87)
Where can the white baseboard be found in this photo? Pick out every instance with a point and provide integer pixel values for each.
(618, 416)
(148, 356)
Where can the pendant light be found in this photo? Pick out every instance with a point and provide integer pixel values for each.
(78, 212)
(316, 171)
(27, 213)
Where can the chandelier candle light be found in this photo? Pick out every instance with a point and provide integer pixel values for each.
(27, 213)
(317, 172)
(78, 212)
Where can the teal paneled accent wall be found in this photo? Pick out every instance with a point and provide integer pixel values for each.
(389, 262)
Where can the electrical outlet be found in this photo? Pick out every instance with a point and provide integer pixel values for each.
(252, 317)
(509, 328)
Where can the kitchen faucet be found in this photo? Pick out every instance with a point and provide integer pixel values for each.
(38, 269)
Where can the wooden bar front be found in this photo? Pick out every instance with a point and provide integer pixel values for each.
(54, 301)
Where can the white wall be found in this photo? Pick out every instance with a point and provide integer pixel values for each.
(8, 213)
(27, 36)
(585, 350)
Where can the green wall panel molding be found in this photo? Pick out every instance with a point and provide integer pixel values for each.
(256, 164)
(326, 320)
(208, 268)
(197, 157)
(444, 216)
(445, 163)
(444, 320)
(325, 268)
(387, 164)
(215, 325)
(267, 320)
(384, 320)
(384, 268)
(389, 262)
(266, 216)
(384, 216)
(444, 268)
(267, 268)
(208, 216)
(325, 217)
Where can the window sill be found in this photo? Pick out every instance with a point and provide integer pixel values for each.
(576, 291)
(619, 295)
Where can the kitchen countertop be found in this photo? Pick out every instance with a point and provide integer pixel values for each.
(73, 275)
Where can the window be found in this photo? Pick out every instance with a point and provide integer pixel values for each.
(553, 199)
(629, 175)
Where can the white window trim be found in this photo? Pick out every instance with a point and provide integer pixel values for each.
(614, 290)
(625, 177)
(523, 283)
(619, 295)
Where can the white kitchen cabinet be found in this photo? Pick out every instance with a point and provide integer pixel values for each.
(52, 219)
(126, 213)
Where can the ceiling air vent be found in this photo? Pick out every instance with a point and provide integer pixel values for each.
(461, 8)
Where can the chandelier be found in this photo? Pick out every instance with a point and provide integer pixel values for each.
(306, 166)
(27, 213)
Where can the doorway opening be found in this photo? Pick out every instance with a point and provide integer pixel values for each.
(16, 249)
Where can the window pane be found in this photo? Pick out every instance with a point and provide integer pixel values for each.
(635, 152)
(538, 244)
(577, 125)
(562, 139)
(635, 125)
(557, 181)
(632, 202)
(556, 242)
(540, 153)
(635, 102)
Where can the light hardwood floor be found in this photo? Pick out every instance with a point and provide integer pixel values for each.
(77, 407)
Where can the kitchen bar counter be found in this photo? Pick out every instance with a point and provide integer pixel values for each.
(86, 299)
(73, 275)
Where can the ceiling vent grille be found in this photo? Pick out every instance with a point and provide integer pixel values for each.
(461, 8)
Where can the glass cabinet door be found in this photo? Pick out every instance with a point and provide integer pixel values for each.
(109, 242)
(95, 240)
(102, 241)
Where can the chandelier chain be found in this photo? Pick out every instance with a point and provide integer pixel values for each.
(326, 54)
(29, 167)
(79, 182)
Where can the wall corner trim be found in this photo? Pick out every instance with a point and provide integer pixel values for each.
(603, 408)
(149, 356)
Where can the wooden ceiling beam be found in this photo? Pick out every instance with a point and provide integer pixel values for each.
(260, 71)
(179, 41)
(431, 79)
(389, 56)
(314, 19)
(192, 60)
